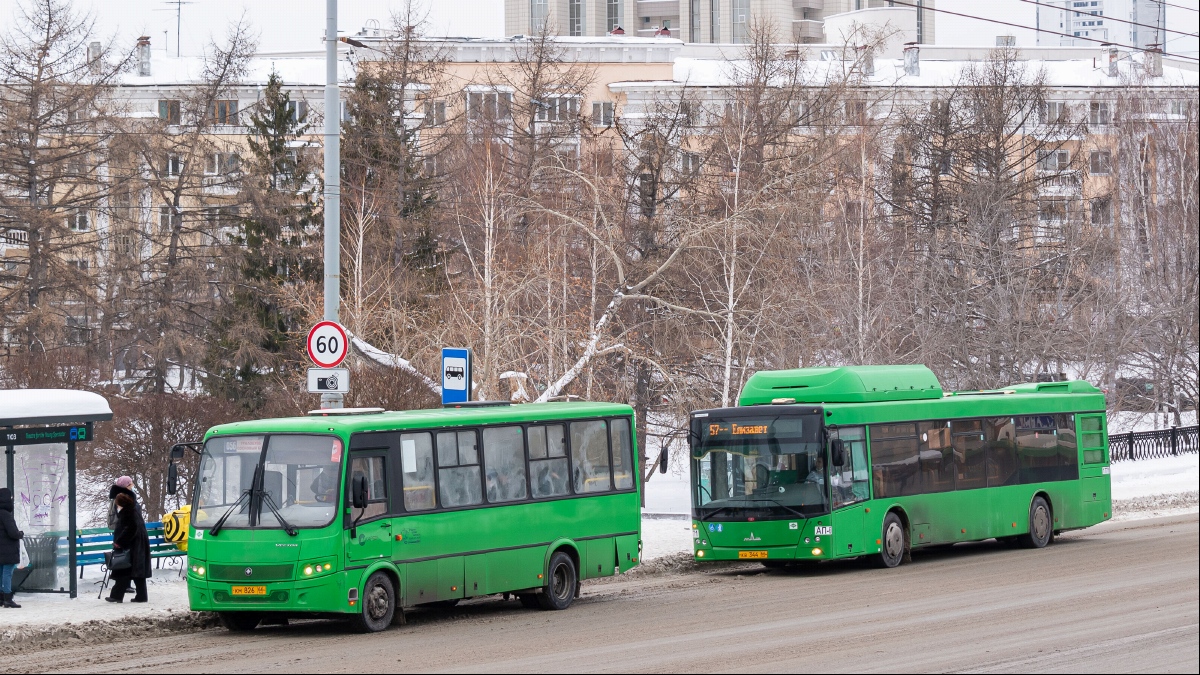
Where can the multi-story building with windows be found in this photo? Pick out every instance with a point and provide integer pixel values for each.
(1138, 23)
(706, 21)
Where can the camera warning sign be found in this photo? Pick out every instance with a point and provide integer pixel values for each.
(328, 380)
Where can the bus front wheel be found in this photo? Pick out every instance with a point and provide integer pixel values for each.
(894, 542)
(378, 605)
(1041, 529)
(560, 584)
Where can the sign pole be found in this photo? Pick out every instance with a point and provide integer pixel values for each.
(333, 198)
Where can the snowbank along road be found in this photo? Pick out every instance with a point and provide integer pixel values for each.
(1118, 597)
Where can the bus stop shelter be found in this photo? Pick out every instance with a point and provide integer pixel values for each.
(40, 430)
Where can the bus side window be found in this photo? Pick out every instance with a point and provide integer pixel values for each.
(1002, 466)
(373, 469)
(622, 450)
(504, 462)
(548, 468)
(936, 457)
(589, 456)
(416, 458)
(969, 456)
(459, 479)
(894, 459)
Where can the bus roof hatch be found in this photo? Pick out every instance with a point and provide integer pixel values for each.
(845, 384)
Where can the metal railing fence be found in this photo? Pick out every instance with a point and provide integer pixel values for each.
(1134, 445)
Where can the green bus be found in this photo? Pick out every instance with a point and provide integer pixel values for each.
(360, 513)
(821, 464)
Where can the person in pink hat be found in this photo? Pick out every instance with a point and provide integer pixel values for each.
(121, 486)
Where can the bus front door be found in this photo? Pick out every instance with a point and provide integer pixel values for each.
(373, 532)
(849, 490)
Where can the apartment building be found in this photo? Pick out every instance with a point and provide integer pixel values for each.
(1138, 23)
(704, 21)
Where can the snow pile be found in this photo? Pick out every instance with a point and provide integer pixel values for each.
(166, 590)
(1149, 477)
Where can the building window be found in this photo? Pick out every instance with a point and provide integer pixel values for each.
(217, 163)
(77, 221)
(694, 20)
(558, 109)
(1100, 162)
(1098, 114)
(575, 18)
(224, 112)
(168, 111)
(1054, 160)
(855, 111)
(714, 21)
(297, 111)
(1179, 108)
(435, 113)
(602, 113)
(1054, 112)
(168, 219)
(173, 165)
(741, 21)
(612, 15)
(539, 10)
(493, 105)
(1052, 210)
(690, 163)
(1102, 211)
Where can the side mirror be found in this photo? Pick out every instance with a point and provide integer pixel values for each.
(172, 479)
(177, 451)
(358, 492)
(837, 452)
(662, 461)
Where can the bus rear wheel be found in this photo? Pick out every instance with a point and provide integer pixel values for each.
(378, 605)
(1041, 525)
(239, 622)
(561, 582)
(894, 543)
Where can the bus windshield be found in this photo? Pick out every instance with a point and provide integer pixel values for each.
(298, 478)
(761, 467)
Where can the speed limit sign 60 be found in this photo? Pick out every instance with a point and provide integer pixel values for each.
(327, 344)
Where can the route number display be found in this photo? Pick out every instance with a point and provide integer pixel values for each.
(327, 344)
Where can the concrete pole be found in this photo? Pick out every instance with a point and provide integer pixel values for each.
(333, 180)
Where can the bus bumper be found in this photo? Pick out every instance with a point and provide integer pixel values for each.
(326, 594)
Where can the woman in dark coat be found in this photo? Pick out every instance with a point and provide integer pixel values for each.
(130, 535)
(10, 548)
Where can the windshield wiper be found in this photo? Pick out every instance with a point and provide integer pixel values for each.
(271, 505)
(718, 510)
(784, 506)
(216, 528)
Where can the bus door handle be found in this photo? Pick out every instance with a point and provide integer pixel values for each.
(386, 525)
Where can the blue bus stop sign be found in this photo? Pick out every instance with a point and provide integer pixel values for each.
(456, 375)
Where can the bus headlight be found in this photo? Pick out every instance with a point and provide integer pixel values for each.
(198, 570)
(316, 569)
(816, 551)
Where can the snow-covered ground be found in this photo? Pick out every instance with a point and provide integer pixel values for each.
(166, 590)
(1120, 422)
(1149, 477)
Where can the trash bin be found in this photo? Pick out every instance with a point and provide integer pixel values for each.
(43, 564)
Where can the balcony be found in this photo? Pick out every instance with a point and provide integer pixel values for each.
(666, 9)
(805, 29)
(801, 5)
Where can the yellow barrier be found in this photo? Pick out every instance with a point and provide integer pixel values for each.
(175, 527)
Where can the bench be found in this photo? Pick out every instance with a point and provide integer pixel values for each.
(92, 544)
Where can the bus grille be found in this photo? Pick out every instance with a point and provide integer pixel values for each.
(235, 573)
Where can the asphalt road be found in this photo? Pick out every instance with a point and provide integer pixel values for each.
(1116, 598)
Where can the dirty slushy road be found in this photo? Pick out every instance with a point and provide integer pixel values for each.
(1120, 597)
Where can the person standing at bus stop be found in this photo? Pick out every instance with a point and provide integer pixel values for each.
(121, 486)
(130, 535)
(10, 548)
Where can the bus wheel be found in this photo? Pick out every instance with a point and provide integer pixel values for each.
(1040, 528)
(560, 587)
(894, 542)
(378, 605)
(239, 622)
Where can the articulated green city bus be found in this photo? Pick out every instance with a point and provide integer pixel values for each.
(822, 464)
(359, 513)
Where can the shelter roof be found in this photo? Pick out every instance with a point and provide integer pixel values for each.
(51, 406)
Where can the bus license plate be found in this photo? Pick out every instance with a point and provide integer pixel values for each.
(752, 554)
(248, 590)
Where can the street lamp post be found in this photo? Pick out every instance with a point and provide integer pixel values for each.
(333, 180)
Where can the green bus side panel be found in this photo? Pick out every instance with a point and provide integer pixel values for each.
(1097, 499)
(450, 578)
(627, 551)
(516, 569)
(422, 582)
(601, 558)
